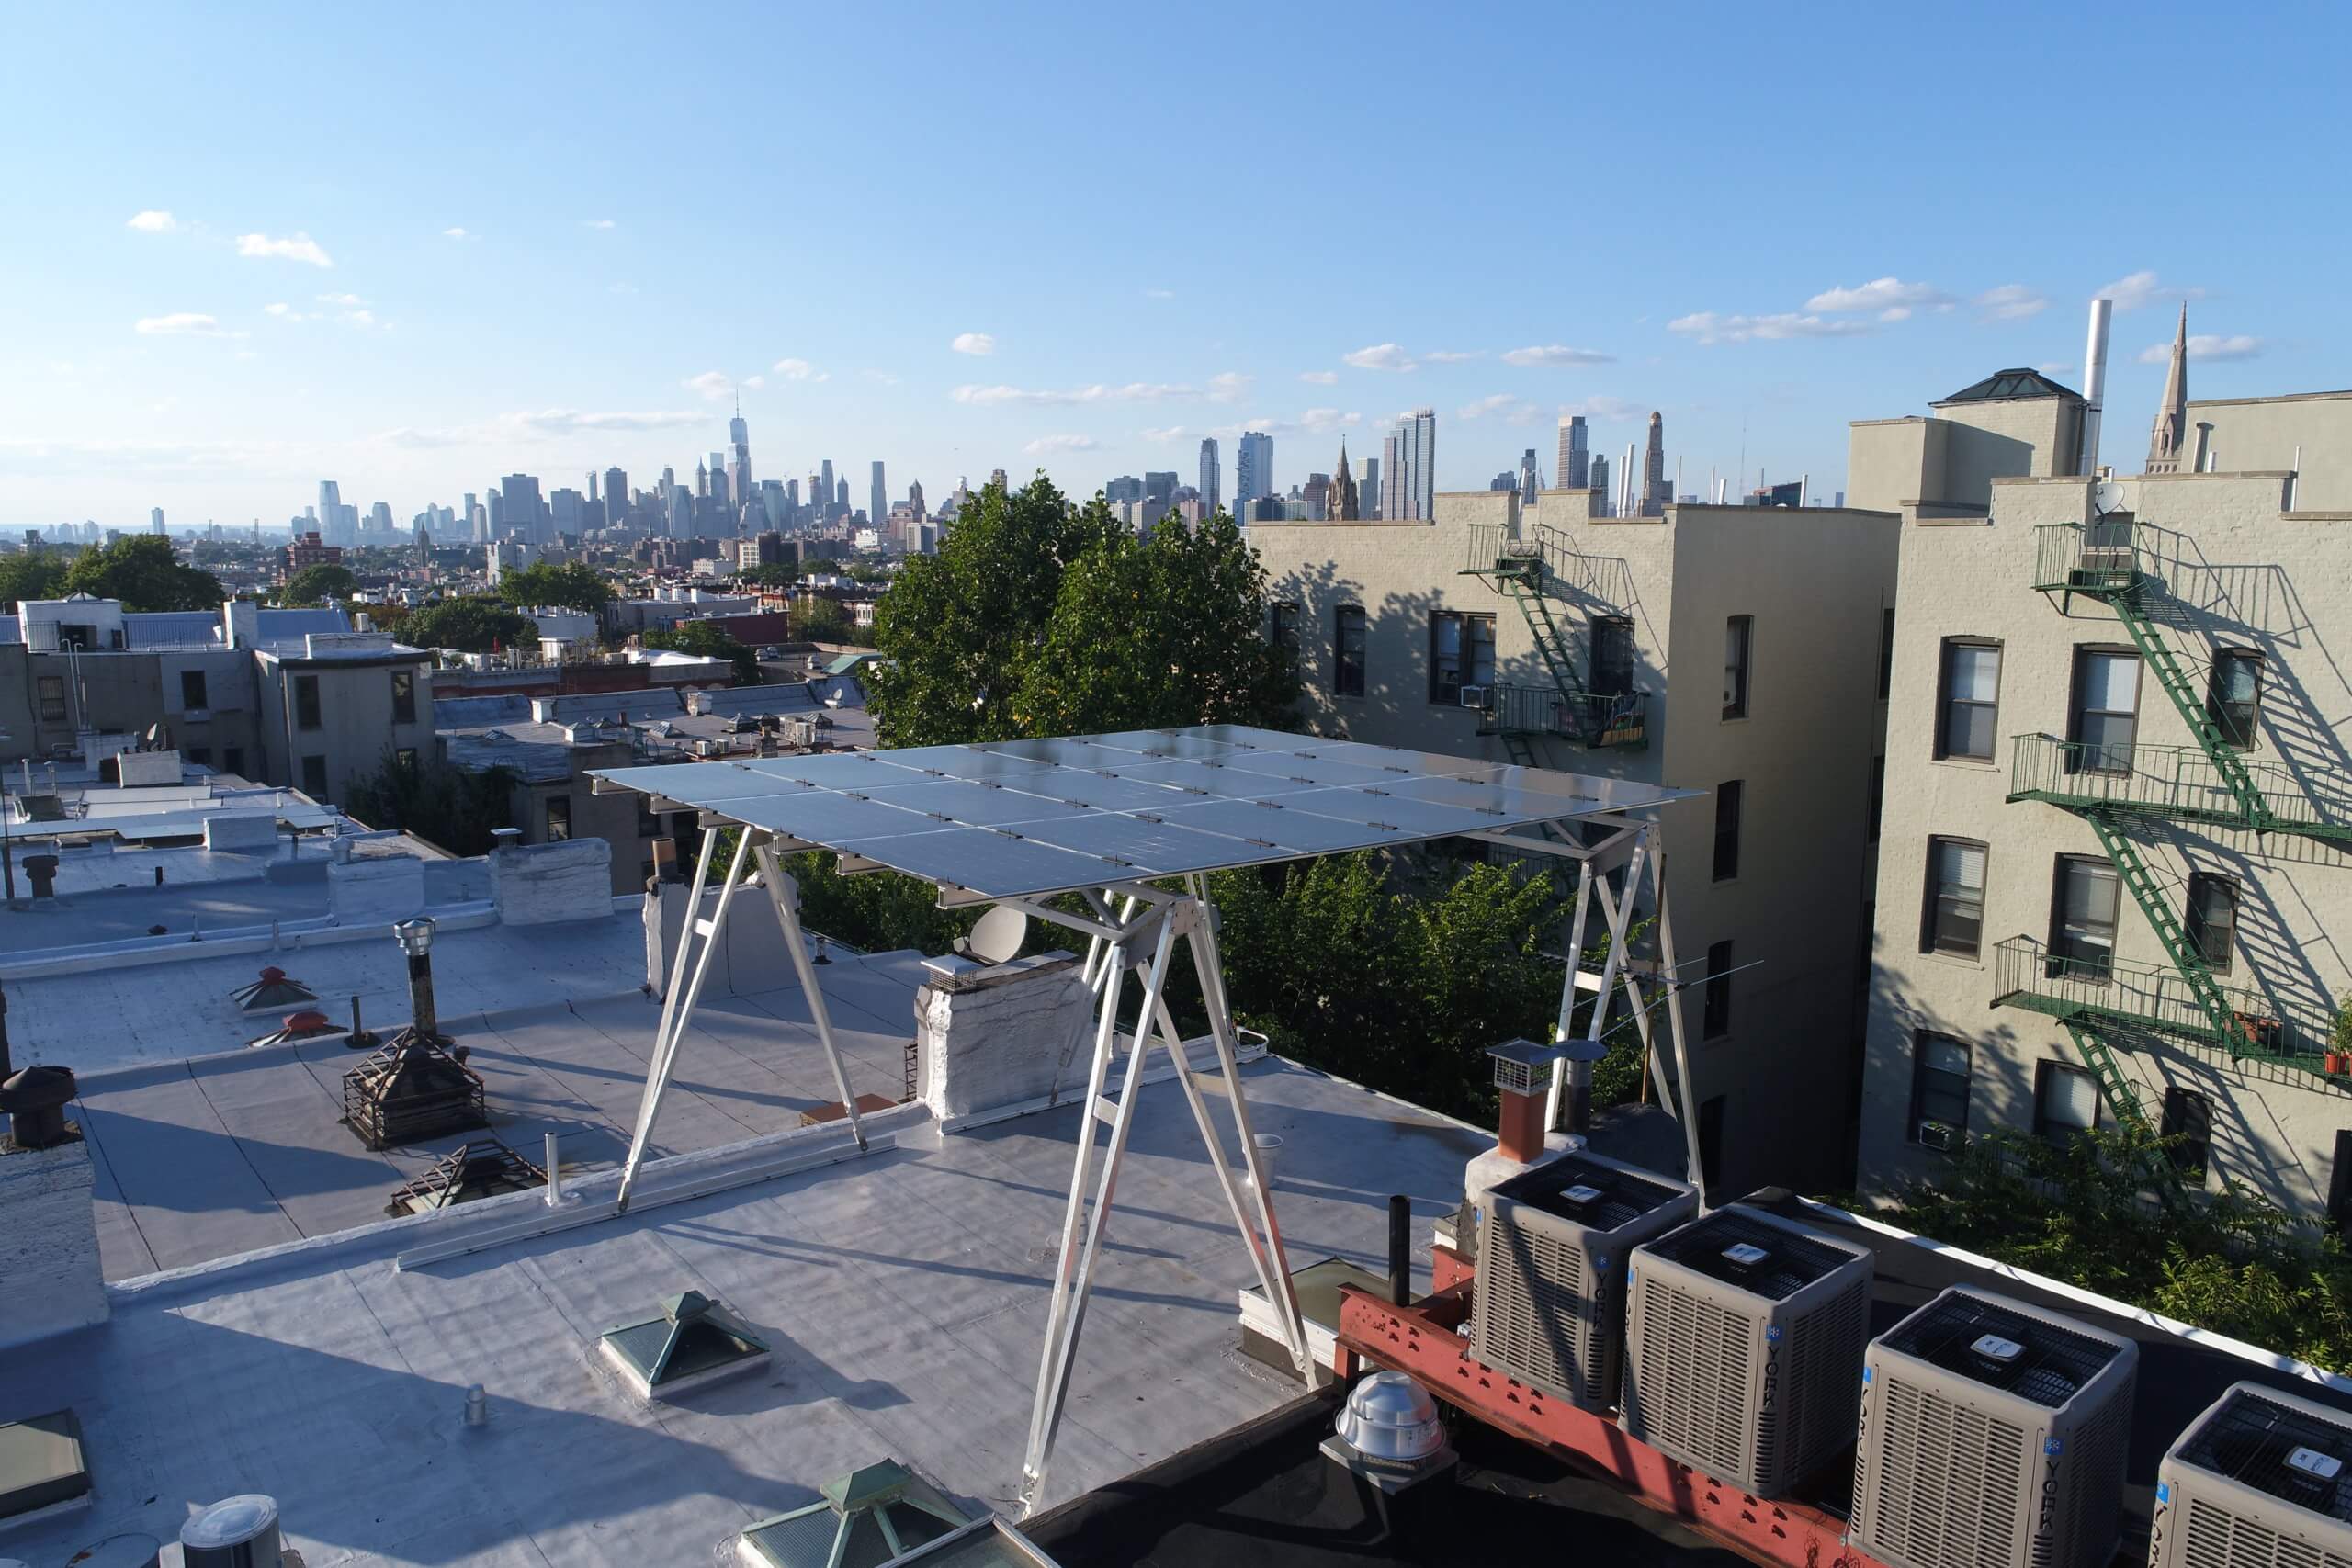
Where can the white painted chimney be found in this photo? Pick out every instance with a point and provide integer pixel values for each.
(2094, 383)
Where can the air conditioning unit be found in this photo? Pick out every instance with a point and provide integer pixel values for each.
(1550, 1308)
(1992, 1433)
(2261, 1480)
(1474, 697)
(1939, 1137)
(1744, 1336)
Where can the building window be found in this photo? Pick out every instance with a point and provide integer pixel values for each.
(1971, 684)
(1739, 637)
(1878, 797)
(1729, 796)
(405, 758)
(192, 692)
(1886, 654)
(1955, 922)
(52, 698)
(2189, 1132)
(1347, 651)
(1462, 653)
(1287, 630)
(2082, 918)
(403, 696)
(200, 755)
(2234, 696)
(558, 818)
(2212, 920)
(1938, 1088)
(314, 777)
(2339, 1182)
(232, 761)
(2066, 1103)
(2106, 710)
(1714, 1021)
(1613, 655)
(306, 702)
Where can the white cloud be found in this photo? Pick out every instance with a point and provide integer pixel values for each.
(2056, 367)
(1133, 392)
(620, 288)
(755, 382)
(1159, 435)
(352, 300)
(2010, 302)
(2130, 293)
(184, 323)
(1453, 355)
(974, 343)
(1707, 327)
(1879, 294)
(360, 318)
(294, 247)
(1319, 378)
(711, 384)
(281, 309)
(2206, 347)
(1507, 404)
(1228, 386)
(1045, 446)
(799, 370)
(540, 424)
(595, 222)
(1380, 356)
(1557, 354)
(1159, 294)
(1894, 313)
(880, 378)
(1604, 407)
(455, 235)
(153, 222)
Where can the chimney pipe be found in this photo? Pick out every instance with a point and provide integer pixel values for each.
(1400, 1249)
(416, 941)
(2094, 383)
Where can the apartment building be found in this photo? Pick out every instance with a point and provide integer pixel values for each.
(1479, 631)
(2119, 802)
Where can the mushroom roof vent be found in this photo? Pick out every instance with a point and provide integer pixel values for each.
(876, 1513)
(274, 989)
(305, 1025)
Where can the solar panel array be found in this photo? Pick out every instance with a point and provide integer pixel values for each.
(1024, 817)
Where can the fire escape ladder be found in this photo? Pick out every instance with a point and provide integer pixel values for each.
(2131, 869)
(2124, 1100)
(2131, 608)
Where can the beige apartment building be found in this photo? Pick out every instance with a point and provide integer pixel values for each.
(2113, 870)
(1546, 635)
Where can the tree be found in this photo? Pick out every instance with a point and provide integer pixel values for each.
(775, 574)
(36, 574)
(819, 619)
(142, 571)
(574, 585)
(447, 806)
(705, 640)
(876, 911)
(469, 626)
(316, 584)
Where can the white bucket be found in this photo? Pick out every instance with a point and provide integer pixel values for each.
(1270, 1148)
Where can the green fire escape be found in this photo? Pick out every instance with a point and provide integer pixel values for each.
(2106, 1005)
(1539, 572)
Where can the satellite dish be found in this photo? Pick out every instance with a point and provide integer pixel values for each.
(998, 936)
(2105, 496)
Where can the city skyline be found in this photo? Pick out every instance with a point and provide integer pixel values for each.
(222, 312)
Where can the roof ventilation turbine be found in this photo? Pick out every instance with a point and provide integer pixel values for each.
(1993, 1434)
(2262, 1479)
(876, 1513)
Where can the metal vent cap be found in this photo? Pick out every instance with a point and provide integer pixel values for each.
(1389, 1415)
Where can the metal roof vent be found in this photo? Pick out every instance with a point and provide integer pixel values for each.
(694, 1341)
(479, 1168)
(1992, 1433)
(35, 1101)
(305, 1025)
(1550, 1308)
(1389, 1438)
(1744, 1336)
(2264, 1477)
(875, 1514)
(274, 989)
(236, 1532)
(416, 1087)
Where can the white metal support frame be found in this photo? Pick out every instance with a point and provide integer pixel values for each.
(698, 938)
(1145, 943)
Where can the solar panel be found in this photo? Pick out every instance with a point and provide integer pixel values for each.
(1024, 817)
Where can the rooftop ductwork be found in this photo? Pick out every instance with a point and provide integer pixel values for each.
(417, 1086)
(273, 990)
(875, 1514)
(479, 1168)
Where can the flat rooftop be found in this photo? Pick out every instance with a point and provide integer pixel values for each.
(904, 1295)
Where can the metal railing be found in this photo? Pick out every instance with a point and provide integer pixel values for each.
(2086, 557)
(2180, 782)
(2150, 995)
(1590, 718)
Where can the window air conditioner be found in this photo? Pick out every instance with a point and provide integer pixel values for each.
(1474, 697)
(1936, 1135)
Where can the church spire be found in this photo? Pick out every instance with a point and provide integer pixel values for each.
(2171, 429)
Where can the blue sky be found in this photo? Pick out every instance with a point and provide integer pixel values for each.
(414, 255)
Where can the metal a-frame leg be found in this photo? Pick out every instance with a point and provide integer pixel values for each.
(1670, 977)
(784, 894)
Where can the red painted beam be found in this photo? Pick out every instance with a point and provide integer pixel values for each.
(1420, 1339)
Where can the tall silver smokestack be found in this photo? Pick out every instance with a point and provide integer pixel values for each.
(2094, 383)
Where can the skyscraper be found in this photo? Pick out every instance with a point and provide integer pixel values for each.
(1212, 481)
(1341, 501)
(1597, 472)
(616, 496)
(739, 435)
(1392, 475)
(330, 506)
(1368, 493)
(1654, 494)
(1253, 471)
(522, 510)
(1410, 462)
(877, 500)
(825, 495)
(914, 498)
(1572, 471)
(1158, 487)
(154, 519)
(682, 513)
(1530, 482)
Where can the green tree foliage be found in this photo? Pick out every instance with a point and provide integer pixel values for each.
(1039, 617)
(572, 585)
(705, 640)
(142, 571)
(442, 803)
(876, 911)
(820, 619)
(317, 584)
(2233, 1263)
(469, 626)
(36, 574)
(775, 574)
